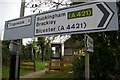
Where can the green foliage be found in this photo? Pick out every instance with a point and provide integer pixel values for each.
(104, 61)
(5, 52)
(27, 52)
(41, 44)
(78, 68)
(47, 55)
(44, 47)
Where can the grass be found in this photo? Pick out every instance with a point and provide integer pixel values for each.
(39, 66)
(23, 72)
(58, 76)
(5, 71)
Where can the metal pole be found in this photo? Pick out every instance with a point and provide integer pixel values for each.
(13, 49)
(22, 10)
(87, 75)
(0, 59)
(12, 67)
(15, 58)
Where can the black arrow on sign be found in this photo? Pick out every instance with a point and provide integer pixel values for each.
(106, 14)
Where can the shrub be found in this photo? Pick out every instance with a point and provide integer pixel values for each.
(79, 68)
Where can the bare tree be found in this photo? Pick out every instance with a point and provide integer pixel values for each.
(40, 5)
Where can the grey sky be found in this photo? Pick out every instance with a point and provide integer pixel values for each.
(9, 9)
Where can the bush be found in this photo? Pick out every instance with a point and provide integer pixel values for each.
(79, 68)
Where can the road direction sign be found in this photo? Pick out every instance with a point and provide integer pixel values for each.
(19, 22)
(19, 28)
(77, 19)
(82, 18)
(89, 43)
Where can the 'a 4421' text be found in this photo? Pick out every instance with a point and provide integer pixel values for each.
(75, 26)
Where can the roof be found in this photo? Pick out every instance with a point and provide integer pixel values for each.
(72, 43)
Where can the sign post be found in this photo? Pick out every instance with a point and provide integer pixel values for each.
(16, 45)
(14, 48)
(0, 60)
(87, 67)
(22, 10)
(88, 48)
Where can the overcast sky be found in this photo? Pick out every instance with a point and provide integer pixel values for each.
(9, 9)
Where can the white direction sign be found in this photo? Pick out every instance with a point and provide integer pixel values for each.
(19, 28)
(86, 17)
(19, 22)
(82, 18)
(89, 43)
